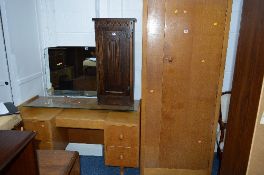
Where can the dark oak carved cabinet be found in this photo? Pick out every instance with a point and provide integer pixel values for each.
(115, 60)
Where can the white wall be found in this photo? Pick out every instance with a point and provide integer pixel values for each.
(231, 52)
(21, 34)
(69, 23)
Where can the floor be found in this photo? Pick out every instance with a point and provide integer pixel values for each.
(94, 165)
(215, 165)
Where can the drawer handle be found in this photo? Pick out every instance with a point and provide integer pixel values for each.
(121, 137)
(121, 157)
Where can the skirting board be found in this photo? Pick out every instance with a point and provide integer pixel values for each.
(86, 149)
(164, 171)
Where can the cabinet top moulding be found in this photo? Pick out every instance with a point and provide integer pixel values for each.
(128, 23)
(125, 19)
(115, 22)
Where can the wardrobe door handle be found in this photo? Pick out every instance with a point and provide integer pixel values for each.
(121, 137)
(121, 157)
(168, 59)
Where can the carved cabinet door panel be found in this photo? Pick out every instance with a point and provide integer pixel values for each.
(114, 43)
(113, 65)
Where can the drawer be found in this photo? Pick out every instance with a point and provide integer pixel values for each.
(41, 128)
(121, 136)
(121, 156)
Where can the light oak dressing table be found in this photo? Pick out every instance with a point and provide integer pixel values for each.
(58, 121)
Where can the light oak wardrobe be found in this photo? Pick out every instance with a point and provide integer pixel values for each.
(184, 49)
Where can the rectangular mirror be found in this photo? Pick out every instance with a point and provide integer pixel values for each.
(72, 71)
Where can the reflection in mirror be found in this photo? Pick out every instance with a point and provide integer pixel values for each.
(72, 71)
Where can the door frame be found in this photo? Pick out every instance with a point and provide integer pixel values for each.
(6, 56)
(9, 56)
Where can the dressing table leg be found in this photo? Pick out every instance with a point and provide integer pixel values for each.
(122, 170)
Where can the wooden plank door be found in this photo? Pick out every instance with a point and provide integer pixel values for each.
(114, 63)
(194, 34)
(115, 60)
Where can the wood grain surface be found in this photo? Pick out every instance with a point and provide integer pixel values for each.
(42, 121)
(153, 42)
(80, 118)
(96, 119)
(165, 171)
(89, 136)
(220, 82)
(121, 156)
(115, 60)
(17, 153)
(247, 82)
(58, 162)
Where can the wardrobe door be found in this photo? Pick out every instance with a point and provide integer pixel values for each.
(194, 36)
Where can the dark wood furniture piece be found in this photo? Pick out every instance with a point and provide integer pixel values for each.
(184, 46)
(115, 60)
(246, 91)
(58, 162)
(17, 153)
